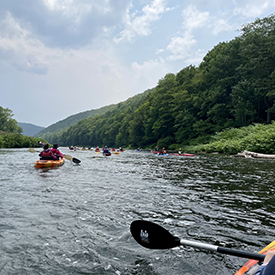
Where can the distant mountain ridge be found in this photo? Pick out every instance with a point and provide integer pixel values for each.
(73, 119)
(30, 129)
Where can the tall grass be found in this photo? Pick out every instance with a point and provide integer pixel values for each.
(258, 138)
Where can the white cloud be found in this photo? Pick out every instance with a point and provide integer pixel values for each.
(193, 18)
(253, 8)
(148, 73)
(77, 9)
(159, 51)
(140, 25)
(181, 46)
(19, 48)
(222, 25)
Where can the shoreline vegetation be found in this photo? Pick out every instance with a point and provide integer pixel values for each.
(17, 140)
(253, 141)
(257, 138)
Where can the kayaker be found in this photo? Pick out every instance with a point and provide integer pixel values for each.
(268, 267)
(47, 154)
(163, 152)
(180, 151)
(106, 151)
(56, 152)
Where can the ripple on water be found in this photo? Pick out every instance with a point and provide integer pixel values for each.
(75, 219)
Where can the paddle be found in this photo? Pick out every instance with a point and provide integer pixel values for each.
(153, 236)
(68, 157)
(75, 160)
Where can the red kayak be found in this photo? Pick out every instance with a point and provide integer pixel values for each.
(183, 155)
(155, 152)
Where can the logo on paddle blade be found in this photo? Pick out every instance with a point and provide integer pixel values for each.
(144, 236)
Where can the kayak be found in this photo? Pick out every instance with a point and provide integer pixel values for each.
(183, 155)
(251, 266)
(162, 154)
(48, 163)
(155, 152)
(106, 154)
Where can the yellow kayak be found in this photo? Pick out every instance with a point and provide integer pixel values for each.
(48, 163)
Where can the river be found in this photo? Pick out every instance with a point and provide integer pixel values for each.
(75, 219)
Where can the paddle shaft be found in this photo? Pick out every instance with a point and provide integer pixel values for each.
(223, 250)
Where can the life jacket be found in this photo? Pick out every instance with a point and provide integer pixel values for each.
(46, 154)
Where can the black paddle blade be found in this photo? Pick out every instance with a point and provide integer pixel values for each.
(151, 235)
(75, 160)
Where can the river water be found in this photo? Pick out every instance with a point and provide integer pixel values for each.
(75, 219)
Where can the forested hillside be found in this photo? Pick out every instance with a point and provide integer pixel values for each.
(234, 86)
(73, 119)
(84, 124)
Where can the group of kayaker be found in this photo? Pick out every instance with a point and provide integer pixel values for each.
(50, 154)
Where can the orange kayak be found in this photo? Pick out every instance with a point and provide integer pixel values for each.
(48, 163)
(251, 266)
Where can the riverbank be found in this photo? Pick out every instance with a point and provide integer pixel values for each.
(259, 138)
(14, 140)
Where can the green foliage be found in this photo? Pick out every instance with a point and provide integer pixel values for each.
(7, 123)
(258, 138)
(14, 140)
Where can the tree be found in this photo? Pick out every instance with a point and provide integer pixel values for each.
(258, 65)
(7, 123)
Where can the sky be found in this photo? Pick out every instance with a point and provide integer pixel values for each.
(62, 57)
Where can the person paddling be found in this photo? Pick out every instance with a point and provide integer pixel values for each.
(56, 152)
(106, 151)
(163, 152)
(47, 154)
